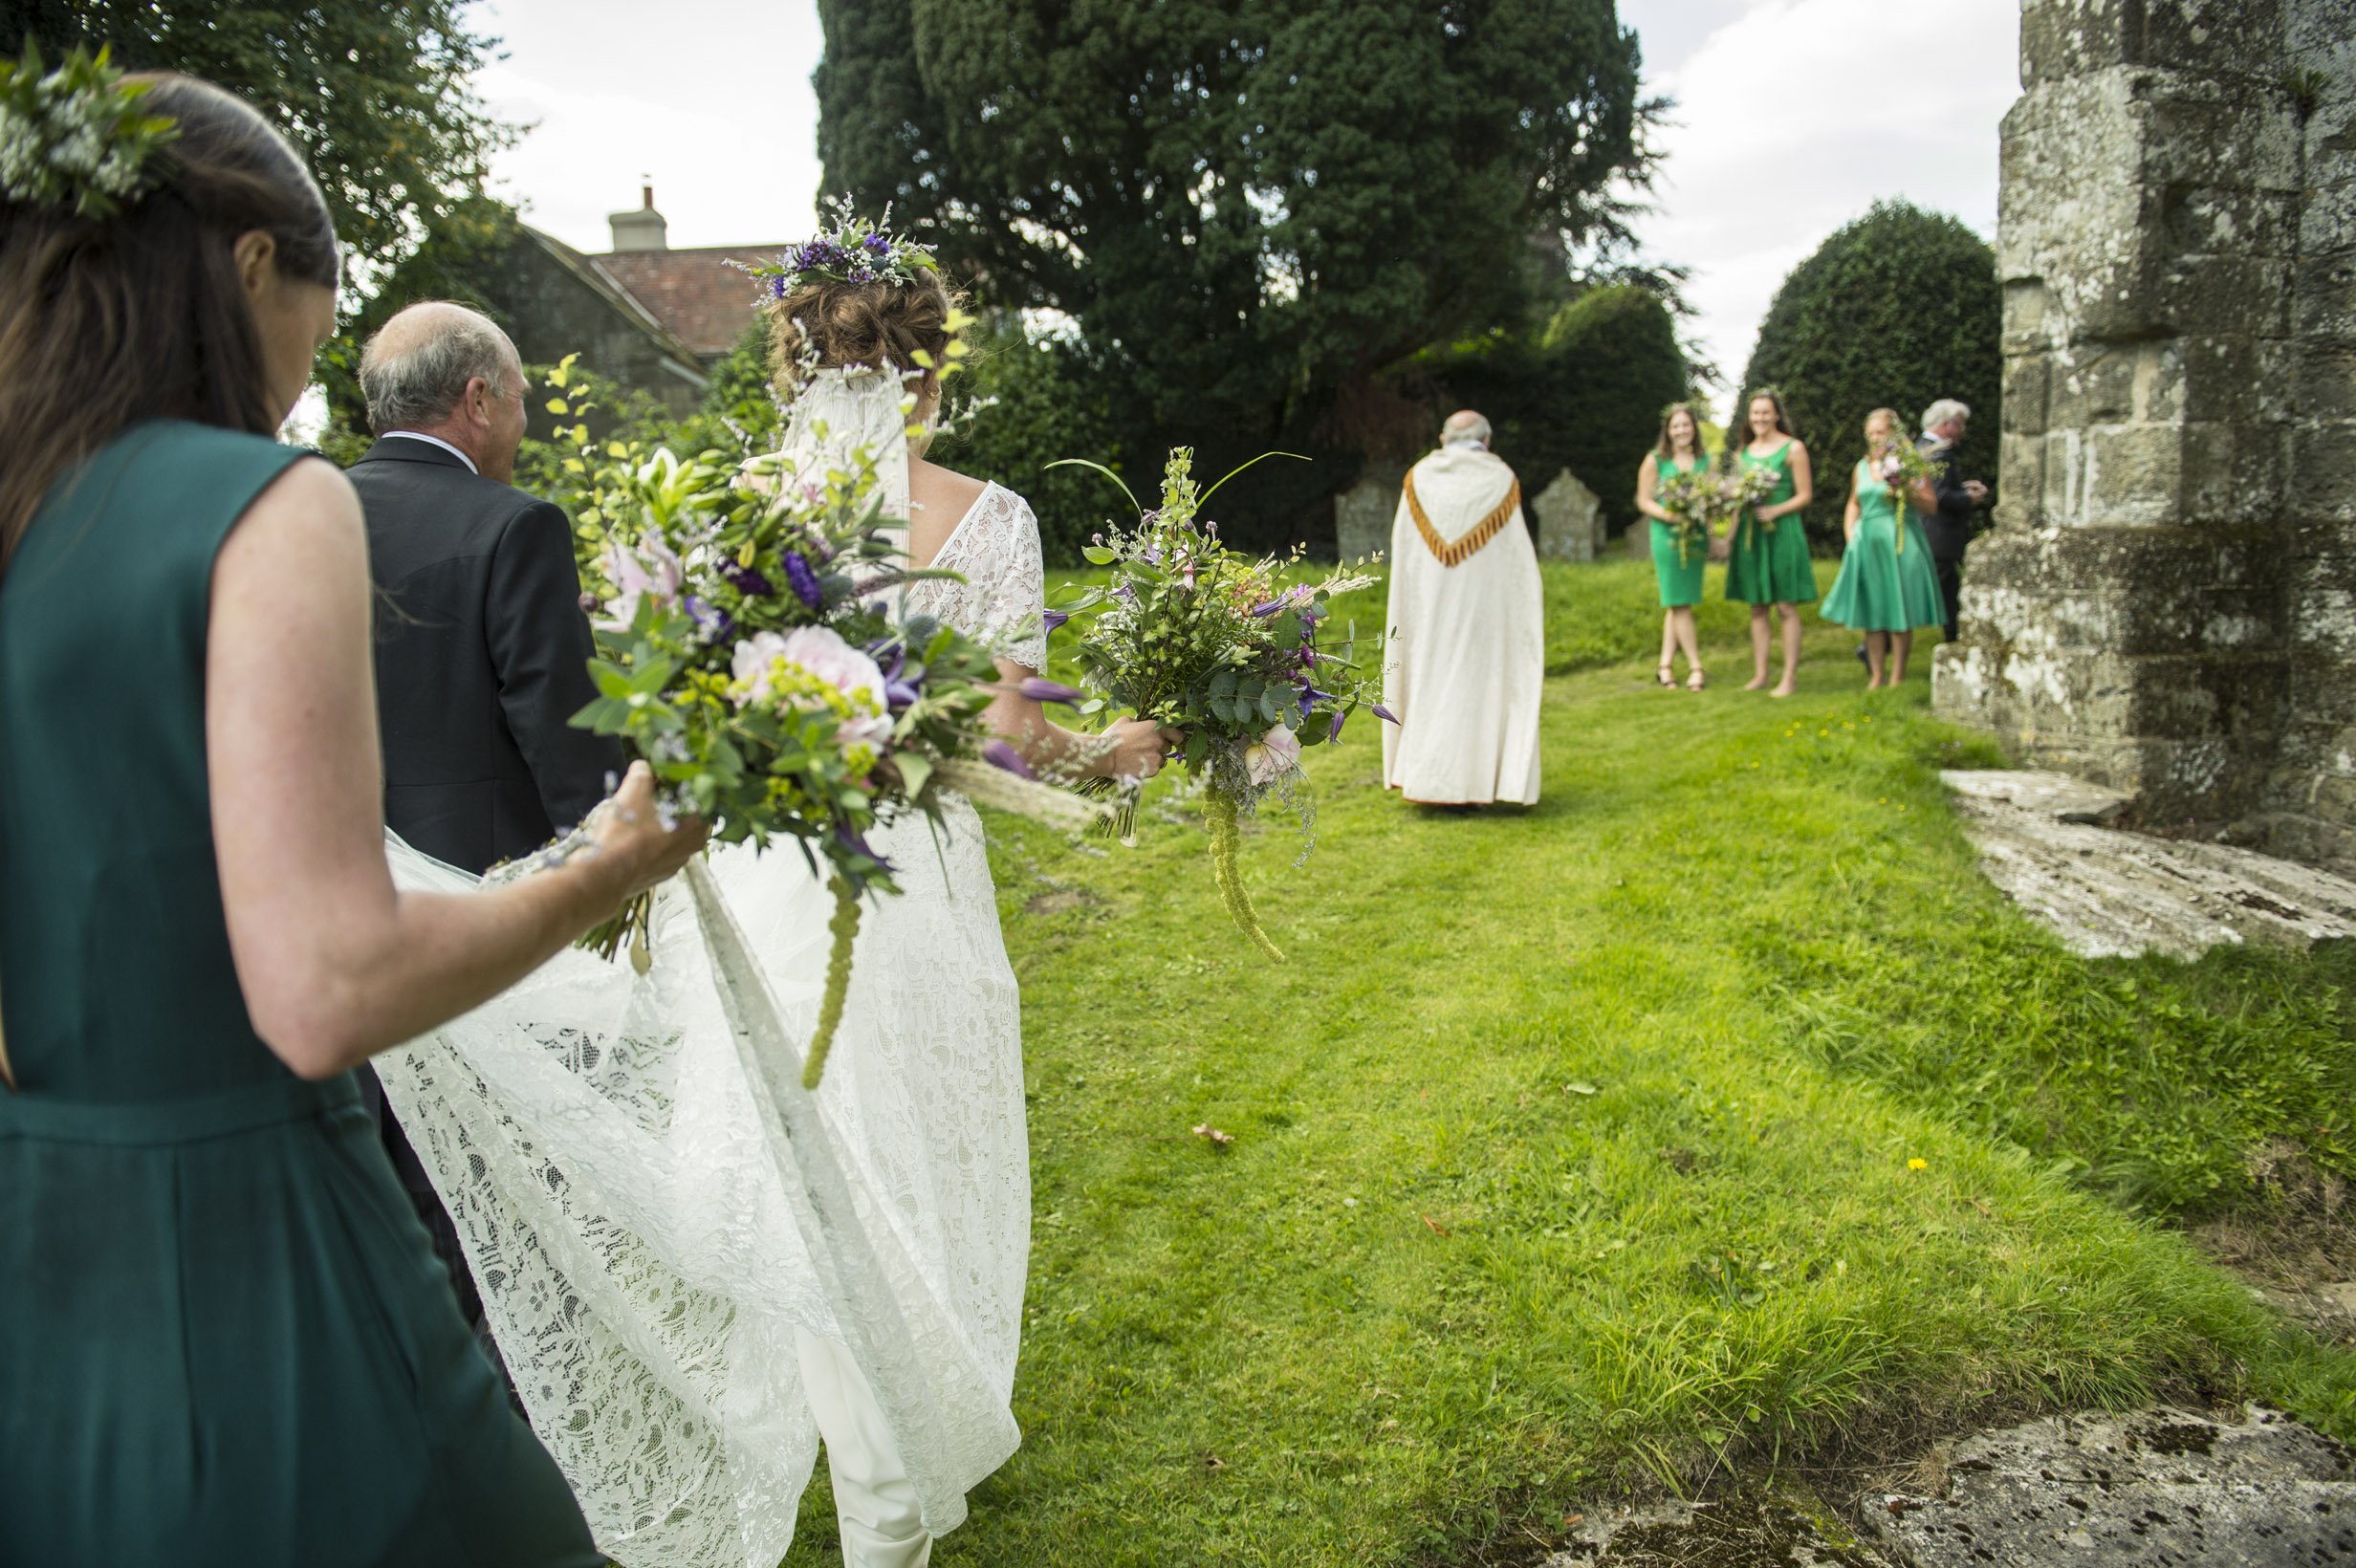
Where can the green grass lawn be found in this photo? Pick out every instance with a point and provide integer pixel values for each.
(1715, 1111)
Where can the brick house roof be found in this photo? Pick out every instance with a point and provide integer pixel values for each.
(706, 303)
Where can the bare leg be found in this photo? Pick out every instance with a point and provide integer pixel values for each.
(1791, 652)
(1901, 643)
(1668, 641)
(1688, 638)
(1759, 647)
(1877, 654)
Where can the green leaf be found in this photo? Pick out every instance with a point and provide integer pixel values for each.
(1205, 499)
(1098, 555)
(1083, 463)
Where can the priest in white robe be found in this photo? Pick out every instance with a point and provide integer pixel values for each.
(1465, 666)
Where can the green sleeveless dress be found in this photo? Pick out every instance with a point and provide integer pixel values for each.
(1768, 564)
(224, 1335)
(1681, 581)
(1886, 581)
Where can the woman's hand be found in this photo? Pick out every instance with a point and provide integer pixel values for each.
(1136, 748)
(635, 850)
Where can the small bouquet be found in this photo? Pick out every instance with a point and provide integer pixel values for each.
(745, 656)
(1903, 466)
(1694, 498)
(1200, 638)
(1746, 488)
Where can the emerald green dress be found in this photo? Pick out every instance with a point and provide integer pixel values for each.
(224, 1335)
(1886, 581)
(1681, 581)
(1768, 563)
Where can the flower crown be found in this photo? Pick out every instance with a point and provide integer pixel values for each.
(75, 138)
(854, 251)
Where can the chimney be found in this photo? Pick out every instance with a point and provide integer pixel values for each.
(642, 229)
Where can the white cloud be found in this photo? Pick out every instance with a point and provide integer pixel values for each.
(1796, 115)
(727, 128)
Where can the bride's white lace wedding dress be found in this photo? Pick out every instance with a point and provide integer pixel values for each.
(659, 1215)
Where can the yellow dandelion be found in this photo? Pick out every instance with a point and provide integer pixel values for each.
(1918, 1165)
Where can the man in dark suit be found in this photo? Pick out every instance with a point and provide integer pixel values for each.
(1950, 528)
(482, 647)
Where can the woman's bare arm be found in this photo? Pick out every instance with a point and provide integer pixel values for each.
(1129, 749)
(335, 962)
(1645, 503)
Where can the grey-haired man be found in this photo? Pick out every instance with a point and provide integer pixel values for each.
(1950, 527)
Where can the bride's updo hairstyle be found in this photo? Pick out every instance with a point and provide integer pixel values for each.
(838, 323)
(108, 320)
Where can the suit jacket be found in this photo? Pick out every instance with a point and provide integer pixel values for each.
(482, 653)
(1950, 528)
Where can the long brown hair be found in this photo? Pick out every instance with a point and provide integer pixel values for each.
(1669, 416)
(106, 322)
(1783, 419)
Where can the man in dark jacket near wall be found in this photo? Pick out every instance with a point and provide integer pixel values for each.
(482, 647)
(1950, 528)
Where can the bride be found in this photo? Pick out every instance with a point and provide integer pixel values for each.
(695, 1270)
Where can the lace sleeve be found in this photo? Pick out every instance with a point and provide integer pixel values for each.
(1003, 602)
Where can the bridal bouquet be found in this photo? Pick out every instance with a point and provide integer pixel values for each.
(1693, 498)
(1196, 637)
(745, 656)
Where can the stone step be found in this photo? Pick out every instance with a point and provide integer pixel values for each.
(2155, 1489)
(2110, 893)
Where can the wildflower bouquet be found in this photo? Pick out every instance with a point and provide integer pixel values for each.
(743, 655)
(1694, 498)
(1744, 488)
(1903, 466)
(1196, 637)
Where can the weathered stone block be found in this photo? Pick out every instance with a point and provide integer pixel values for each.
(2133, 474)
(2220, 295)
(2020, 481)
(2095, 383)
(2325, 387)
(1362, 514)
(2069, 37)
(1569, 519)
(2320, 487)
(2328, 221)
(2026, 377)
(2326, 304)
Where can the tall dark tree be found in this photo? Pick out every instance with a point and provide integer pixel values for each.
(1895, 310)
(1247, 202)
(378, 95)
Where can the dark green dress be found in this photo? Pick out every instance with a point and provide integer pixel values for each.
(224, 1335)
(1680, 577)
(1768, 563)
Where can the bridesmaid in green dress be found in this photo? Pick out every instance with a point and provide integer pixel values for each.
(1767, 561)
(1676, 563)
(1888, 585)
(224, 1339)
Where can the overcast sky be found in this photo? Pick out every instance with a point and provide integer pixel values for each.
(1791, 116)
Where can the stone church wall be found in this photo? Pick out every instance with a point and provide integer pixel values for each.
(2167, 604)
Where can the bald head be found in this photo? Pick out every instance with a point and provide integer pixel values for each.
(1465, 427)
(442, 370)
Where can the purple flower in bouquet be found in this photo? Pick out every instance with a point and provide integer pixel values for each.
(1052, 621)
(709, 619)
(1042, 690)
(1273, 755)
(804, 580)
(749, 581)
(999, 754)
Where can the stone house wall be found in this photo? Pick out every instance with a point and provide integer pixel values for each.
(2166, 604)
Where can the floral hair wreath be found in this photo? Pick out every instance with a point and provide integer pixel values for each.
(77, 137)
(855, 251)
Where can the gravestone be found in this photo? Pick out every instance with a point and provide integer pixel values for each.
(1362, 514)
(2167, 604)
(1568, 519)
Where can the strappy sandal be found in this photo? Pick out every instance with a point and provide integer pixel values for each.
(1697, 681)
(1664, 676)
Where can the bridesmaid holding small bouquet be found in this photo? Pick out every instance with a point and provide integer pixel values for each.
(1888, 585)
(1768, 562)
(1680, 540)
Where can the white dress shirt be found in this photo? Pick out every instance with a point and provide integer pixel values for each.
(420, 435)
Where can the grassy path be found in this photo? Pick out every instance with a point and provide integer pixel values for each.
(1713, 1110)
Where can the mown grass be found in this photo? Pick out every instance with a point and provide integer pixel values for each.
(1577, 1148)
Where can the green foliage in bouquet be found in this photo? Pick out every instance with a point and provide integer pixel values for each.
(1196, 637)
